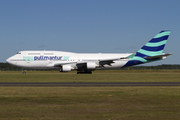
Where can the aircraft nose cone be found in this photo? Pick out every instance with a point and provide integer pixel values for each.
(7, 61)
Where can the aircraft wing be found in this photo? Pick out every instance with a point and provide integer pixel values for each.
(108, 61)
(68, 63)
(83, 63)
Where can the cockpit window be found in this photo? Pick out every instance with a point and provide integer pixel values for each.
(19, 53)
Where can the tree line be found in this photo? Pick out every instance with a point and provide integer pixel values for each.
(8, 67)
(157, 67)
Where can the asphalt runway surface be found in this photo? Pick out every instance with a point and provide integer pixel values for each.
(87, 84)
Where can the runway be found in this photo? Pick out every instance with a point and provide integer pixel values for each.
(87, 84)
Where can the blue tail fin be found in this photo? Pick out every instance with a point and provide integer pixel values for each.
(152, 49)
(155, 46)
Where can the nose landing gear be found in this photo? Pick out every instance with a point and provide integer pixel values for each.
(23, 72)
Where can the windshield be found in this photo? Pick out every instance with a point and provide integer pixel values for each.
(19, 53)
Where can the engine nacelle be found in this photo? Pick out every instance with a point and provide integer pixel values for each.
(66, 68)
(91, 65)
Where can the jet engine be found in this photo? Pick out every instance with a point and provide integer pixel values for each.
(66, 68)
(91, 65)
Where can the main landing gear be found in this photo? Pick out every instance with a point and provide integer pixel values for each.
(84, 72)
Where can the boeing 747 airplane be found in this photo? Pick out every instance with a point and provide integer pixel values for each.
(88, 62)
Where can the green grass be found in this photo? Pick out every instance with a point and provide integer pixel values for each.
(90, 103)
(97, 76)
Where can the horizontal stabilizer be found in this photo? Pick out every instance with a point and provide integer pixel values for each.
(158, 56)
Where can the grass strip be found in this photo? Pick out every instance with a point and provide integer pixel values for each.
(97, 76)
(79, 103)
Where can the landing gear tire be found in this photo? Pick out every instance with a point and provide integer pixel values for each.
(23, 72)
(84, 72)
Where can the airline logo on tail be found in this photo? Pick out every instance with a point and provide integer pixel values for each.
(151, 51)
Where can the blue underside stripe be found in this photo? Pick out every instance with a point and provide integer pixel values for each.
(136, 62)
(153, 48)
(130, 63)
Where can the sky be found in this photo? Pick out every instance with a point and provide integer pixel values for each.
(88, 26)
